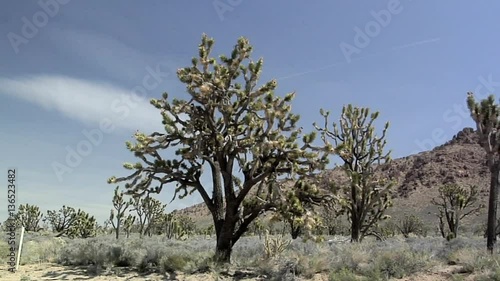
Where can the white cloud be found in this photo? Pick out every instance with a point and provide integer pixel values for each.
(86, 101)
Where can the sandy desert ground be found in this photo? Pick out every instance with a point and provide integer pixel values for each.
(47, 271)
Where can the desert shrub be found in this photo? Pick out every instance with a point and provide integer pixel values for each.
(174, 263)
(90, 251)
(247, 251)
(146, 254)
(265, 269)
(491, 276)
(351, 256)
(474, 260)
(388, 229)
(411, 224)
(275, 245)
(308, 266)
(36, 248)
(399, 264)
(429, 245)
(122, 256)
(38, 252)
(154, 252)
(380, 260)
(4, 251)
(449, 247)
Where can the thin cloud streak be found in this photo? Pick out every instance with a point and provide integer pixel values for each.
(343, 62)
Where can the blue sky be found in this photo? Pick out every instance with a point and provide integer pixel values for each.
(59, 81)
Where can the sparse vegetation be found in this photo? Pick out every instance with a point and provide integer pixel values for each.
(367, 260)
(395, 257)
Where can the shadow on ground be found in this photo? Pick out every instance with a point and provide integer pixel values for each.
(93, 272)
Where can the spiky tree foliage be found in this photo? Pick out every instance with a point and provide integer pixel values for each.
(121, 206)
(106, 228)
(61, 220)
(10, 224)
(187, 224)
(257, 227)
(29, 217)
(295, 222)
(149, 211)
(128, 223)
(177, 225)
(83, 226)
(72, 223)
(298, 213)
(455, 203)
(243, 134)
(209, 230)
(154, 208)
(485, 115)
(171, 226)
(137, 207)
(367, 196)
(333, 222)
(103, 229)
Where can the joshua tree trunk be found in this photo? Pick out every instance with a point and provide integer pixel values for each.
(355, 230)
(117, 230)
(225, 240)
(223, 248)
(492, 208)
(295, 232)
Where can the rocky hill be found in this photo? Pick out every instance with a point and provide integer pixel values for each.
(461, 160)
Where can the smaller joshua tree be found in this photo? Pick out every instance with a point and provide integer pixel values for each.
(127, 224)
(455, 203)
(366, 196)
(61, 220)
(84, 226)
(29, 217)
(121, 206)
(149, 211)
(69, 222)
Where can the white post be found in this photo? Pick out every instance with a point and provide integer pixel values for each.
(20, 248)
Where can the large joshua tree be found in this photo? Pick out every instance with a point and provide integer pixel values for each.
(244, 135)
(366, 196)
(485, 115)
